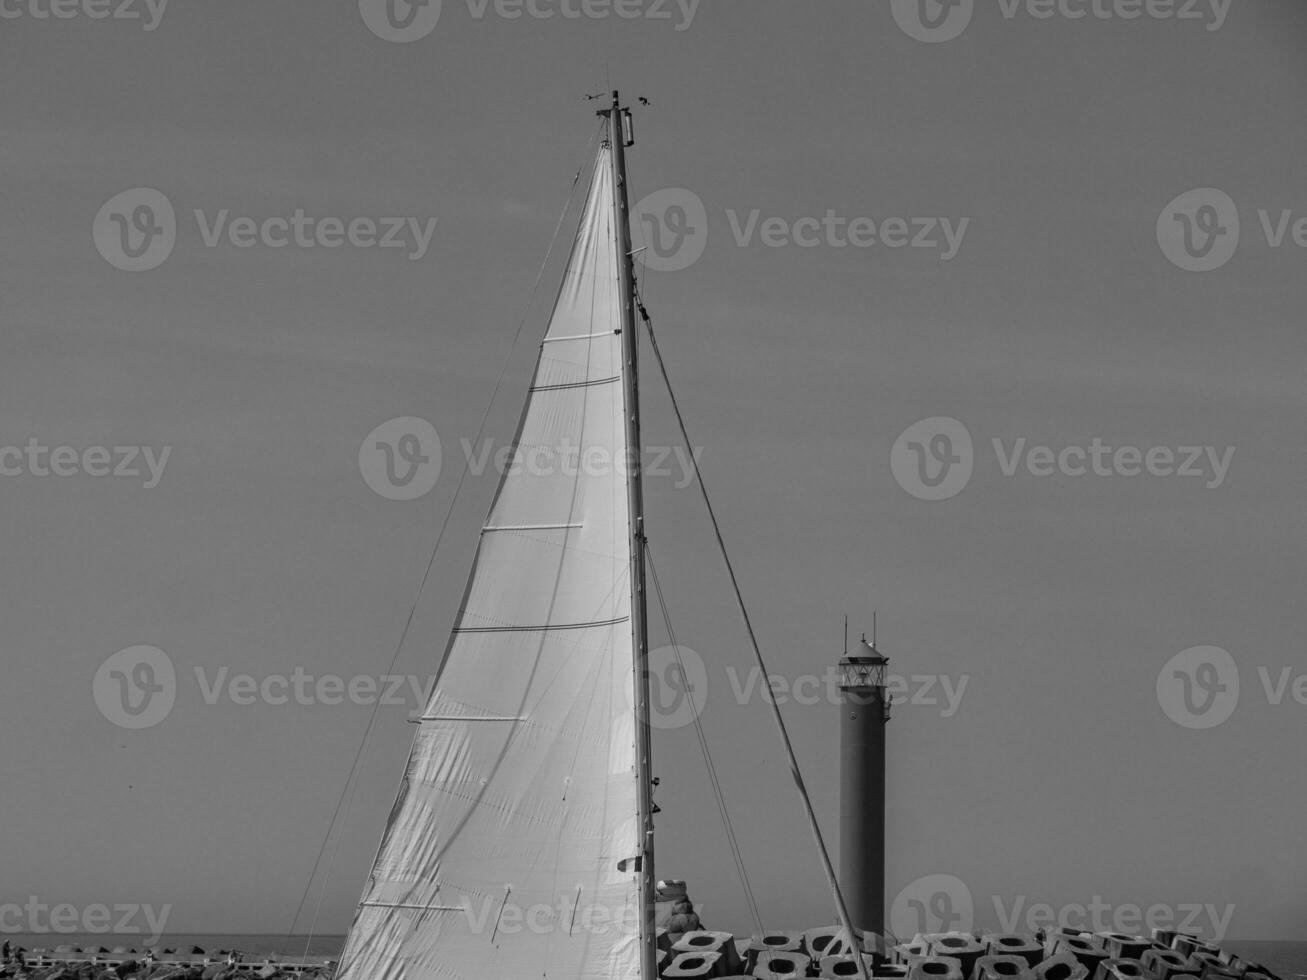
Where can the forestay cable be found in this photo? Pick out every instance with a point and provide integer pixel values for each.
(829, 869)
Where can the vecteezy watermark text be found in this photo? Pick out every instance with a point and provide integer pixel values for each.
(566, 915)
(671, 227)
(401, 459)
(37, 459)
(679, 687)
(933, 459)
(931, 690)
(405, 21)
(148, 11)
(832, 230)
(138, 687)
(935, 21)
(36, 917)
(944, 903)
(136, 230)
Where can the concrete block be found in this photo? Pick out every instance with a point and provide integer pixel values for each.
(935, 968)
(780, 941)
(1200, 961)
(891, 971)
(962, 946)
(720, 943)
(1001, 967)
(826, 941)
(775, 964)
(1123, 947)
(1011, 944)
(692, 966)
(907, 952)
(742, 951)
(1060, 966)
(1087, 950)
(1118, 968)
(1163, 964)
(1164, 937)
(1185, 943)
(836, 967)
(1049, 937)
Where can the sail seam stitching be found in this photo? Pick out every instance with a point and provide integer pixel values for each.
(536, 629)
(577, 384)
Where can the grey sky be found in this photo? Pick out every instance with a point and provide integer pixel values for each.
(1059, 778)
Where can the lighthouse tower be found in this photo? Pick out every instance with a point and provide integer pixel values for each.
(864, 712)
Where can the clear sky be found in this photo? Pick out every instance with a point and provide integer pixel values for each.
(1060, 776)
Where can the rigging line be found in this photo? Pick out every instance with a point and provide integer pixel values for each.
(795, 773)
(713, 779)
(440, 536)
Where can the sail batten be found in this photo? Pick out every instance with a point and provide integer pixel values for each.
(509, 850)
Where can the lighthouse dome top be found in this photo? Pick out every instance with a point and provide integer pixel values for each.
(864, 652)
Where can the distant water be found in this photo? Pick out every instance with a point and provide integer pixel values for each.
(1288, 959)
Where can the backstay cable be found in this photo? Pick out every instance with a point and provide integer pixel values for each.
(736, 854)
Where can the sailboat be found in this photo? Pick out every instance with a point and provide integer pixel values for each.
(521, 842)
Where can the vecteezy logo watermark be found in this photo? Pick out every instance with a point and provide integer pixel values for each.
(136, 687)
(933, 21)
(403, 21)
(400, 459)
(1199, 230)
(400, 21)
(932, 903)
(124, 918)
(672, 225)
(932, 459)
(150, 11)
(36, 459)
(1199, 687)
(678, 686)
(136, 230)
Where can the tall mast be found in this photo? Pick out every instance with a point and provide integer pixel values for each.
(635, 500)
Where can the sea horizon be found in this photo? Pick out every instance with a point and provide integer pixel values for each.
(1286, 957)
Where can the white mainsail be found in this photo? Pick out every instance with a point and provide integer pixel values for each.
(519, 800)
